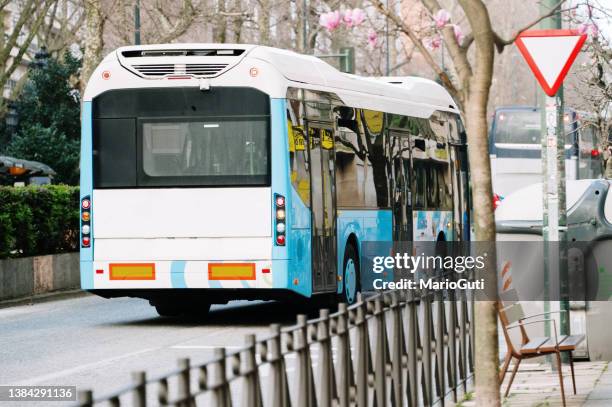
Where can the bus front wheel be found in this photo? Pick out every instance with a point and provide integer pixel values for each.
(350, 275)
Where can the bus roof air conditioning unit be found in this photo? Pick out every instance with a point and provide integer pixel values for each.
(161, 70)
(161, 61)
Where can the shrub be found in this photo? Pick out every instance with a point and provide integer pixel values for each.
(48, 109)
(37, 220)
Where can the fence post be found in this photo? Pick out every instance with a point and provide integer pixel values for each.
(139, 395)
(440, 325)
(252, 393)
(413, 350)
(162, 391)
(398, 352)
(344, 356)
(184, 392)
(381, 356)
(427, 338)
(452, 345)
(280, 386)
(472, 335)
(328, 382)
(363, 352)
(306, 396)
(220, 396)
(86, 398)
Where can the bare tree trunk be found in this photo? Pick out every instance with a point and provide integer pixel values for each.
(299, 22)
(263, 20)
(238, 21)
(94, 40)
(487, 356)
(220, 27)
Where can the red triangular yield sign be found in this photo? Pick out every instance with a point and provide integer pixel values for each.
(550, 54)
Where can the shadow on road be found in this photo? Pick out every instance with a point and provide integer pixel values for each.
(236, 315)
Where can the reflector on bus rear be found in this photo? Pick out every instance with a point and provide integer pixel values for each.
(132, 271)
(231, 271)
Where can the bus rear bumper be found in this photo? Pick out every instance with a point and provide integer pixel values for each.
(177, 274)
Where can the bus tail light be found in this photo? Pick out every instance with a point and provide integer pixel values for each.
(280, 201)
(85, 222)
(594, 153)
(279, 219)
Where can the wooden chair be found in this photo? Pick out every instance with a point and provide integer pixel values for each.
(511, 316)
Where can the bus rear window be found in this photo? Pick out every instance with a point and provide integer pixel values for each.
(174, 137)
(205, 152)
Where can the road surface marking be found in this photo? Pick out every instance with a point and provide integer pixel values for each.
(66, 372)
(204, 347)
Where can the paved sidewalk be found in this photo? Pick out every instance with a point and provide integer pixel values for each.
(536, 385)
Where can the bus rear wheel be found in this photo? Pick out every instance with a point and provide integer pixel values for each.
(193, 310)
(168, 310)
(350, 276)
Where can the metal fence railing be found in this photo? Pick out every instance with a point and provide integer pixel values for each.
(391, 349)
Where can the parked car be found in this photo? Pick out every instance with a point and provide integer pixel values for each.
(18, 172)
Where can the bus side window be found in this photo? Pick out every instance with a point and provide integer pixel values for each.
(350, 154)
(372, 126)
(419, 182)
(298, 160)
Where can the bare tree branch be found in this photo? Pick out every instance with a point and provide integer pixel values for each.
(500, 43)
(26, 13)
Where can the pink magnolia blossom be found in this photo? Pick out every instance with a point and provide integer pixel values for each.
(433, 42)
(353, 17)
(442, 17)
(372, 38)
(590, 29)
(330, 20)
(458, 33)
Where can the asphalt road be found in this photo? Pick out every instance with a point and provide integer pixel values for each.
(95, 343)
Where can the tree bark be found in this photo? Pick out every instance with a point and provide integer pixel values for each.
(263, 21)
(487, 356)
(220, 27)
(94, 40)
(238, 21)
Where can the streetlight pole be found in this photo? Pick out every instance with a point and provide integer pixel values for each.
(137, 23)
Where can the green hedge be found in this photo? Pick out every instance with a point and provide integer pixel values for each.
(36, 220)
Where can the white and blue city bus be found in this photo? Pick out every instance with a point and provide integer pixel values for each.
(214, 172)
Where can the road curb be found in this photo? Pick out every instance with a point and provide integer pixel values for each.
(46, 297)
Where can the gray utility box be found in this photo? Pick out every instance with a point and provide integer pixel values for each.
(589, 231)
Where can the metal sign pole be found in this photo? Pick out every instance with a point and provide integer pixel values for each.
(550, 53)
(554, 219)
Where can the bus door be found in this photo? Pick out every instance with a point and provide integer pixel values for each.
(323, 204)
(402, 197)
